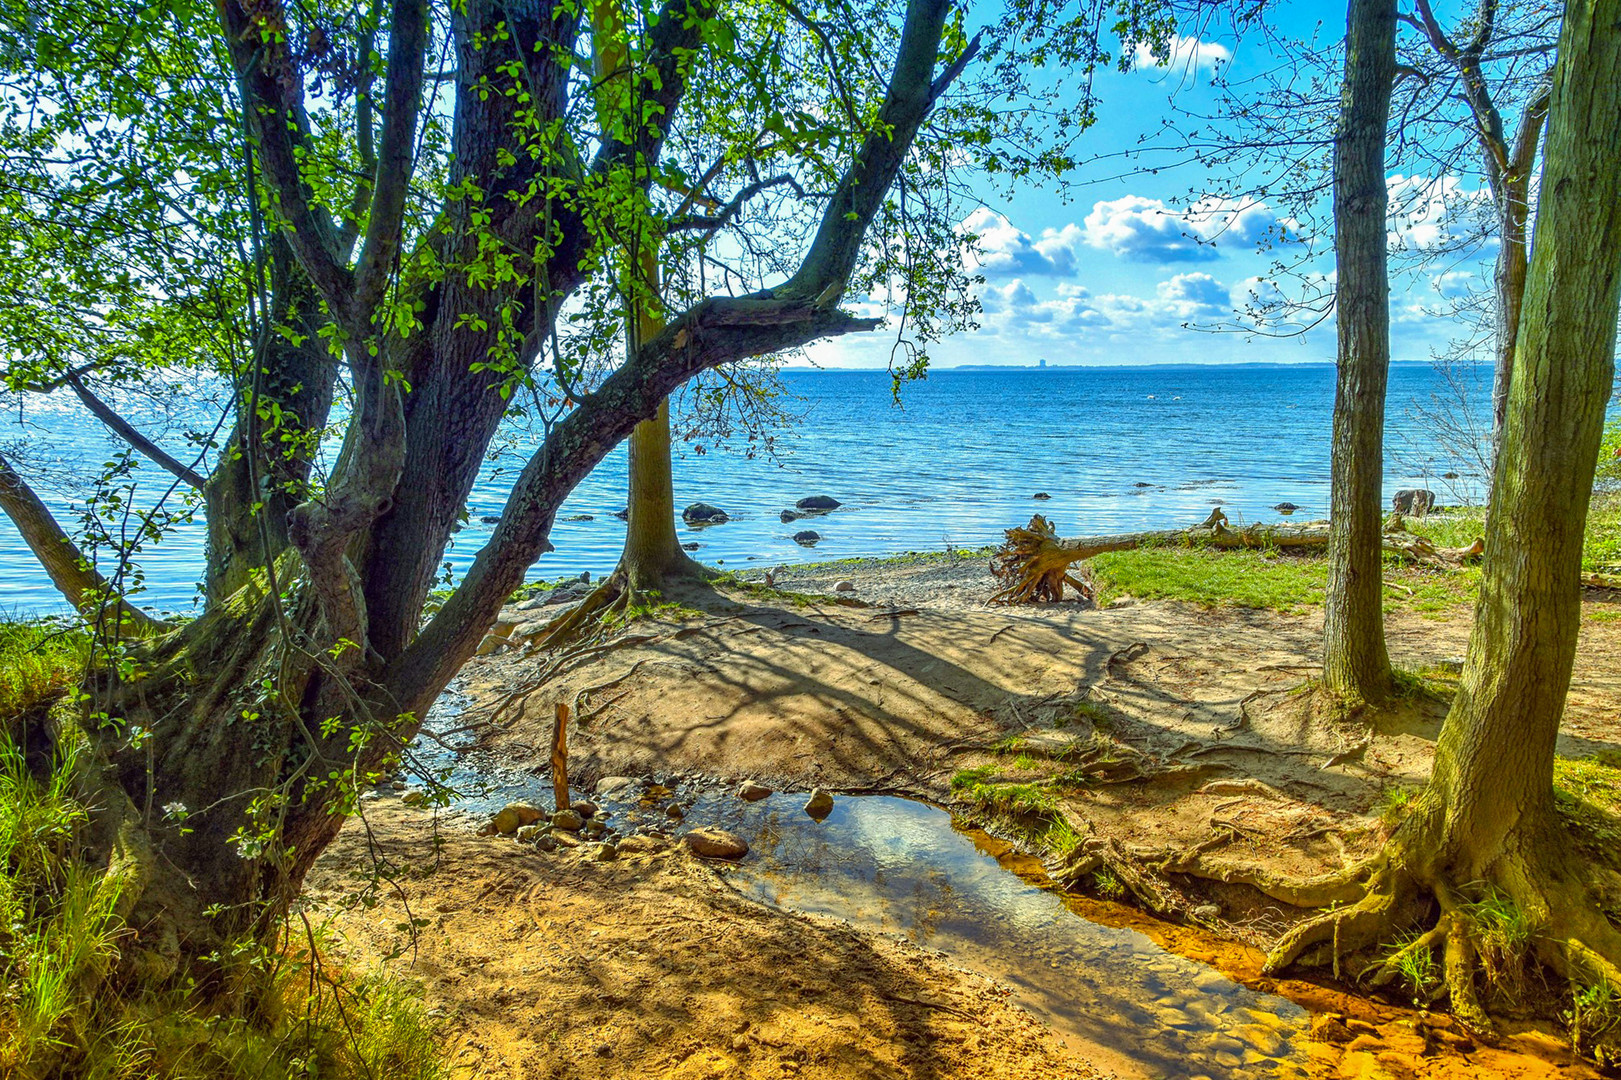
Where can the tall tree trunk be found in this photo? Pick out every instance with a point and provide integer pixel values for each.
(1355, 662)
(1487, 823)
(1495, 757)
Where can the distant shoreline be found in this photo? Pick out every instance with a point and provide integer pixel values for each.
(1172, 366)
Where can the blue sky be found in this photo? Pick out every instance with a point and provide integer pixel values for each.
(1114, 274)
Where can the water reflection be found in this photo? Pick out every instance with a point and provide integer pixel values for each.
(907, 868)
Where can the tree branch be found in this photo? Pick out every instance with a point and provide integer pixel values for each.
(126, 431)
(716, 331)
(407, 58)
(69, 570)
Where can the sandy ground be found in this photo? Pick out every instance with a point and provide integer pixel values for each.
(549, 966)
(650, 966)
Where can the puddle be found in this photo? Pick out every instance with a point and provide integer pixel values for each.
(906, 868)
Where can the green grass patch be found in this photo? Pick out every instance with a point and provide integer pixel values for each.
(978, 788)
(66, 1014)
(38, 661)
(1259, 579)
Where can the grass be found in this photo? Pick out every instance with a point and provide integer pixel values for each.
(1587, 794)
(1258, 579)
(1416, 968)
(38, 661)
(67, 1011)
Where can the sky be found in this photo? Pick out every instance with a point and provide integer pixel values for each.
(1157, 266)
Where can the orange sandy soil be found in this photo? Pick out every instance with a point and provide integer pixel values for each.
(546, 965)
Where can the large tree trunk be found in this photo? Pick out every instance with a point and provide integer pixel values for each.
(1355, 662)
(1487, 820)
(1513, 195)
(233, 749)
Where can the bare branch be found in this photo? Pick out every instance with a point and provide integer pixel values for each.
(126, 431)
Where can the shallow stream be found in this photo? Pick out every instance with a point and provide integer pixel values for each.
(903, 867)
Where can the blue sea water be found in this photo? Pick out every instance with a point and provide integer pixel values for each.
(956, 461)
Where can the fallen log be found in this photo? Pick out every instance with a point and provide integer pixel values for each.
(1033, 563)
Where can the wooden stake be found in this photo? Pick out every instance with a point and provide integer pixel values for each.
(560, 757)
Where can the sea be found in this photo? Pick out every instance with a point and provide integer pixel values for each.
(950, 462)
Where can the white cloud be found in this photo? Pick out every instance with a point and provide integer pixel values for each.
(1430, 213)
(1074, 313)
(1146, 230)
(1002, 250)
(1183, 53)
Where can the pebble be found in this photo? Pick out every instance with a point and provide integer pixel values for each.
(820, 804)
(844, 586)
(676, 811)
(752, 792)
(608, 785)
(716, 844)
(593, 829)
(604, 852)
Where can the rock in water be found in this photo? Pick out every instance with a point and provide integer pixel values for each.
(844, 586)
(1286, 508)
(623, 515)
(567, 820)
(820, 804)
(716, 844)
(818, 502)
(608, 785)
(807, 537)
(753, 792)
(703, 514)
(1413, 501)
(789, 515)
(490, 519)
(691, 545)
(1041, 495)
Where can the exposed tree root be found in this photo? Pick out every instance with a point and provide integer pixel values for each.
(1033, 563)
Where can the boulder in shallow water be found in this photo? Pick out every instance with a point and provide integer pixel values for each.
(584, 807)
(791, 515)
(1413, 501)
(700, 513)
(716, 844)
(623, 515)
(819, 805)
(691, 545)
(609, 785)
(1041, 495)
(752, 792)
(818, 502)
(491, 519)
(1286, 508)
(807, 537)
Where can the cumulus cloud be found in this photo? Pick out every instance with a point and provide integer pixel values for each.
(1074, 312)
(1183, 53)
(1430, 213)
(1146, 230)
(1003, 250)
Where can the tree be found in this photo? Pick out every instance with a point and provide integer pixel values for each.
(1355, 662)
(1486, 826)
(283, 200)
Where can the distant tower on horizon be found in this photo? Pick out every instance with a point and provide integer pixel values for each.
(1041, 363)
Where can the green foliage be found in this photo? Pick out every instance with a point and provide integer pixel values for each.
(1594, 1021)
(38, 661)
(1395, 803)
(65, 1015)
(1415, 967)
(1107, 885)
(1502, 935)
(976, 786)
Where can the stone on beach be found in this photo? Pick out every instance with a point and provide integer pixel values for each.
(716, 844)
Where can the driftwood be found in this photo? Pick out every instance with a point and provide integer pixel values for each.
(1033, 564)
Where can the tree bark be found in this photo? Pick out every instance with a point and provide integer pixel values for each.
(1486, 825)
(1355, 661)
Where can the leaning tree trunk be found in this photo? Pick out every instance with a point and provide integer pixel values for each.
(1487, 823)
(1513, 256)
(1355, 662)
